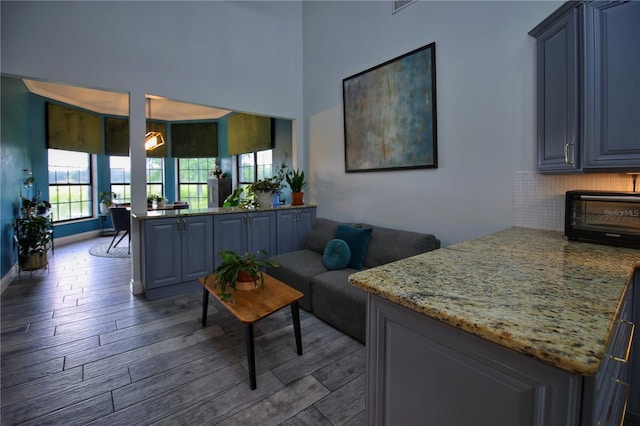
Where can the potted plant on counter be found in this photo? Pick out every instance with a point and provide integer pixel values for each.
(240, 272)
(296, 181)
(264, 190)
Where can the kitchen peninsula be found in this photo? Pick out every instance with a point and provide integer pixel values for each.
(517, 327)
(180, 246)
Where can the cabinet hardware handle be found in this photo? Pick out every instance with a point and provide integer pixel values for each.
(178, 226)
(566, 153)
(249, 219)
(626, 355)
(184, 226)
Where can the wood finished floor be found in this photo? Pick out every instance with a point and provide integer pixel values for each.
(78, 348)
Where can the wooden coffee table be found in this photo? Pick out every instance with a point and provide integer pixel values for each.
(250, 306)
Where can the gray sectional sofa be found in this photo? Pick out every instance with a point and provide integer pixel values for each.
(327, 293)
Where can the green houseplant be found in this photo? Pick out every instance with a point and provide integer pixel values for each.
(264, 189)
(32, 235)
(106, 200)
(296, 181)
(235, 267)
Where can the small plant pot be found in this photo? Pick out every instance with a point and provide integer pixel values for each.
(296, 198)
(244, 281)
(32, 262)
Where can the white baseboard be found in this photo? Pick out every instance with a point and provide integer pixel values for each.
(9, 277)
(60, 241)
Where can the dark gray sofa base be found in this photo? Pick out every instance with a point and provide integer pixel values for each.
(328, 294)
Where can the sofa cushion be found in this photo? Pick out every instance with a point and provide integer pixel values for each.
(388, 245)
(340, 304)
(336, 255)
(358, 241)
(322, 231)
(296, 269)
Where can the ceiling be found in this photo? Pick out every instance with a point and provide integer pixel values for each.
(117, 103)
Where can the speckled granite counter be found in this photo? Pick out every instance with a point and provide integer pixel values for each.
(528, 290)
(155, 214)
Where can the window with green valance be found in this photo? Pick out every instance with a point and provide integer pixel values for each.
(194, 140)
(73, 130)
(249, 133)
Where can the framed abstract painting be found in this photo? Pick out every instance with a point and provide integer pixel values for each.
(390, 114)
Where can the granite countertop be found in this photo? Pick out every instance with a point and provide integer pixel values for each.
(156, 214)
(529, 290)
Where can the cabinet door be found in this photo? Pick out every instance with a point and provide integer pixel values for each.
(230, 233)
(612, 81)
(558, 95)
(306, 217)
(197, 247)
(421, 368)
(286, 220)
(293, 228)
(634, 369)
(261, 232)
(163, 252)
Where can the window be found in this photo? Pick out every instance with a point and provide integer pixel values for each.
(120, 176)
(155, 174)
(70, 192)
(254, 166)
(192, 180)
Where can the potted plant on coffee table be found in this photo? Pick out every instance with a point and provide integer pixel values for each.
(240, 272)
(295, 180)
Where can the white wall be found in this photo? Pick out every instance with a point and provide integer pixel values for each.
(244, 56)
(485, 105)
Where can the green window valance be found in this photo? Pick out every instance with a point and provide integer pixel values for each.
(73, 130)
(116, 137)
(249, 133)
(194, 140)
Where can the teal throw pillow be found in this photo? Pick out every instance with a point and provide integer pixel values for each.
(336, 255)
(358, 240)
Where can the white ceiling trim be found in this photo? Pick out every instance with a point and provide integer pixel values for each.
(117, 103)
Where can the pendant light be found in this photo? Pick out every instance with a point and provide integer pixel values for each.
(152, 140)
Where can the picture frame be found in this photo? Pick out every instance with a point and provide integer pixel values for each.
(390, 120)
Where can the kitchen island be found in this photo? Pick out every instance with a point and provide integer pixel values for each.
(514, 327)
(180, 246)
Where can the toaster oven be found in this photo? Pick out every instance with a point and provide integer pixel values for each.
(603, 217)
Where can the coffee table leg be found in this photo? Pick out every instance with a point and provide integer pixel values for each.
(295, 316)
(251, 355)
(205, 305)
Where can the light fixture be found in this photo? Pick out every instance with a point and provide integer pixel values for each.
(152, 140)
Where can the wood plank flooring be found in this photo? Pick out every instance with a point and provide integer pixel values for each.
(78, 348)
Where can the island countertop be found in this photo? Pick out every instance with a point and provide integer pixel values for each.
(156, 214)
(529, 290)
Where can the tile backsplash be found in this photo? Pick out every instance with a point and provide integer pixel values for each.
(538, 200)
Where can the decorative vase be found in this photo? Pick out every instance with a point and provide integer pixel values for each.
(162, 204)
(296, 198)
(264, 199)
(104, 209)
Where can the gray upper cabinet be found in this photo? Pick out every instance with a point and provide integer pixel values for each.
(612, 85)
(557, 91)
(588, 93)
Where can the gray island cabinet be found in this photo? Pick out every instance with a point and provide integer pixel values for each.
(180, 246)
(520, 327)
